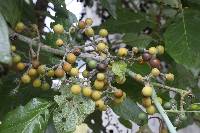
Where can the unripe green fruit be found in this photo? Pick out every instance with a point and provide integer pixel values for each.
(67, 67)
(85, 74)
(26, 79)
(167, 105)
(74, 72)
(151, 110)
(50, 73)
(103, 32)
(100, 76)
(155, 72)
(41, 69)
(71, 58)
(169, 76)
(147, 91)
(92, 64)
(182, 117)
(160, 49)
(75, 89)
(142, 116)
(81, 24)
(88, 21)
(146, 101)
(45, 86)
(20, 66)
(89, 32)
(37, 83)
(59, 42)
(32, 72)
(122, 52)
(16, 59)
(96, 95)
(98, 84)
(152, 50)
(58, 28)
(87, 91)
(101, 46)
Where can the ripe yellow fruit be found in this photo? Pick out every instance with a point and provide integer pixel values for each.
(96, 95)
(41, 69)
(88, 21)
(118, 93)
(100, 76)
(81, 24)
(45, 86)
(16, 58)
(13, 48)
(155, 72)
(20, 66)
(74, 72)
(32, 72)
(103, 32)
(169, 76)
(146, 101)
(147, 91)
(59, 42)
(160, 49)
(59, 72)
(160, 100)
(50, 73)
(58, 28)
(37, 83)
(98, 84)
(151, 110)
(122, 52)
(118, 100)
(152, 50)
(87, 91)
(19, 27)
(26, 79)
(75, 89)
(67, 67)
(71, 58)
(101, 46)
(89, 32)
(99, 104)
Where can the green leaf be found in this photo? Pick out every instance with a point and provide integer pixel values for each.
(181, 40)
(142, 69)
(136, 40)
(194, 106)
(172, 3)
(128, 110)
(110, 5)
(127, 22)
(4, 42)
(119, 68)
(31, 118)
(72, 110)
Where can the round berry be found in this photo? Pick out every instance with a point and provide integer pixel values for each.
(20, 66)
(88, 21)
(169, 76)
(45, 86)
(101, 46)
(37, 83)
(67, 67)
(19, 27)
(26, 79)
(87, 91)
(74, 72)
(81, 24)
(13, 48)
(118, 100)
(160, 100)
(92, 64)
(41, 69)
(152, 50)
(167, 105)
(32, 72)
(59, 42)
(151, 110)
(100, 76)
(35, 63)
(16, 58)
(75, 89)
(160, 49)
(147, 91)
(182, 117)
(71, 58)
(76, 51)
(50, 73)
(96, 95)
(101, 67)
(135, 50)
(85, 74)
(173, 101)
(146, 56)
(118, 93)
(89, 32)
(155, 72)
(142, 116)
(122, 52)
(146, 101)
(103, 32)
(99, 103)
(98, 84)
(138, 77)
(155, 63)
(58, 28)
(59, 72)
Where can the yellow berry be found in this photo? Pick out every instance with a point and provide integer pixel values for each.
(59, 72)
(81, 24)
(20, 66)
(138, 77)
(160, 100)
(87, 91)
(118, 100)
(75, 89)
(155, 72)
(13, 48)
(59, 42)
(58, 28)
(151, 110)
(45, 86)
(50, 73)
(32, 72)
(98, 84)
(88, 21)
(26, 79)
(96, 95)
(101, 46)
(89, 32)
(19, 27)
(100, 76)
(16, 59)
(103, 32)
(169, 76)
(99, 104)
(146, 101)
(85, 73)
(41, 69)
(74, 72)
(122, 52)
(152, 50)
(71, 58)
(67, 67)
(37, 83)
(160, 49)
(147, 91)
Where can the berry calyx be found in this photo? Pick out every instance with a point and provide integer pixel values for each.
(101, 46)
(122, 52)
(169, 76)
(59, 42)
(89, 32)
(147, 91)
(92, 64)
(16, 59)
(151, 110)
(87, 91)
(20, 66)
(96, 95)
(59, 72)
(98, 84)
(26, 79)
(118, 93)
(74, 72)
(152, 50)
(32, 72)
(103, 32)
(75, 89)
(37, 83)
(45, 86)
(50, 73)
(100, 76)
(67, 67)
(71, 58)
(58, 29)
(41, 69)
(155, 72)
(88, 21)
(160, 49)
(81, 24)
(146, 56)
